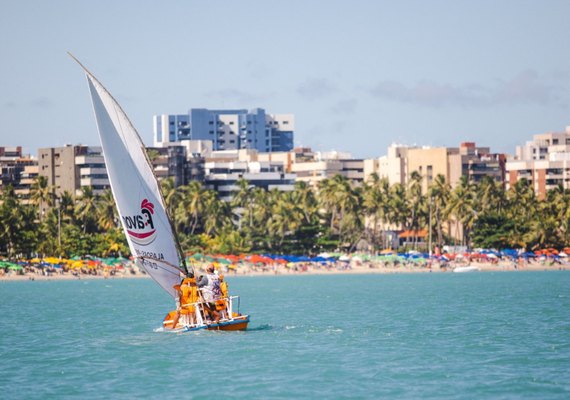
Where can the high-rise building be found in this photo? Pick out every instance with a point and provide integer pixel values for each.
(450, 162)
(168, 162)
(224, 168)
(544, 162)
(70, 168)
(227, 129)
(325, 165)
(17, 170)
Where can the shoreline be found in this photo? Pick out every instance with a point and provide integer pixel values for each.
(361, 269)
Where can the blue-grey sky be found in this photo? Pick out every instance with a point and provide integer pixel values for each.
(358, 75)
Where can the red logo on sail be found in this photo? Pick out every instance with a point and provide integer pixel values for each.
(140, 227)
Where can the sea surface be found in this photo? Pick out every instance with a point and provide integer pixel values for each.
(500, 335)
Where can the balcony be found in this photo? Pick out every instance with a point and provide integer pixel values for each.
(94, 182)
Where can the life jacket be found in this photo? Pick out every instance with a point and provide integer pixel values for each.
(224, 289)
(188, 297)
(212, 290)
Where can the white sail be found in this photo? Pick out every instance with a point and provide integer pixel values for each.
(136, 191)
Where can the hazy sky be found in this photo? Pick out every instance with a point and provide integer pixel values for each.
(357, 75)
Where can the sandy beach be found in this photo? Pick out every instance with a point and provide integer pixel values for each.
(298, 269)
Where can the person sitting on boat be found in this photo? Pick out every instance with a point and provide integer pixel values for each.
(209, 284)
(188, 296)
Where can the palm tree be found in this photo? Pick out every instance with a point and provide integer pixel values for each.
(172, 194)
(339, 200)
(215, 213)
(372, 204)
(523, 209)
(242, 204)
(107, 216)
(86, 207)
(286, 216)
(398, 207)
(461, 208)
(439, 194)
(11, 217)
(66, 205)
(490, 196)
(561, 204)
(304, 196)
(42, 195)
(258, 216)
(192, 206)
(416, 201)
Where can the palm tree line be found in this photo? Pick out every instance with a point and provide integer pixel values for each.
(335, 215)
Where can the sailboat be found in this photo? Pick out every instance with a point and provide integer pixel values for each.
(144, 216)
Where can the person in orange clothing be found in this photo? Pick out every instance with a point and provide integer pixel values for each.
(222, 303)
(188, 295)
(223, 287)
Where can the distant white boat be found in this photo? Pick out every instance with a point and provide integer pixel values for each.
(467, 268)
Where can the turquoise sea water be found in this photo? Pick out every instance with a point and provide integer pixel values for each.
(409, 336)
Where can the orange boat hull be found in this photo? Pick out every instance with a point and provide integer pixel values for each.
(236, 325)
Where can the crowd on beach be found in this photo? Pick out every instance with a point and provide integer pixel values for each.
(385, 262)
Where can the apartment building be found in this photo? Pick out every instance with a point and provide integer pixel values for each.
(223, 170)
(72, 167)
(450, 162)
(17, 170)
(543, 161)
(325, 165)
(227, 129)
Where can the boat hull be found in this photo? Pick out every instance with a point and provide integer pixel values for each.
(236, 324)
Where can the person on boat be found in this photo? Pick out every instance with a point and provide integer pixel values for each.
(209, 284)
(222, 303)
(223, 287)
(188, 295)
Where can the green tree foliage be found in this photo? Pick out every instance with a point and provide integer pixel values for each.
(335, 215)
(493, 231)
